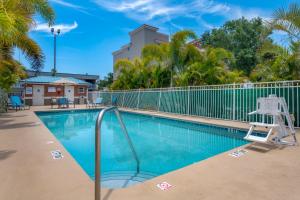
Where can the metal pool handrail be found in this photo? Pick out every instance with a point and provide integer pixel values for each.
(98, 147)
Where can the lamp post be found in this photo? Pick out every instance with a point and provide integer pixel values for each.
(55, 32)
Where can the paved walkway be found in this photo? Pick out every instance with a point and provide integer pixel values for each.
(28, 172)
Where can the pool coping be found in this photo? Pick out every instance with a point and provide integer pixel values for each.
(171, 117)
(147, 190)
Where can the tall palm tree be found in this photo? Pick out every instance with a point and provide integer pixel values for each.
(180, 50)
(157, 55)
(176, 55)
(157, 58)
(128, 77)
(212, 69)
(288, 20)
(16, 20)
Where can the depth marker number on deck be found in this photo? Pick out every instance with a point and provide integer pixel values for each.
(238, 153)
(164, 185)
(56, 154)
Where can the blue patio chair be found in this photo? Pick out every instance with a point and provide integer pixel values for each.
(63, 102)
(16, 102)
(98, 101)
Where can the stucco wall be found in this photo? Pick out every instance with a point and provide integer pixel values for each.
(138, 39)
(59, 90)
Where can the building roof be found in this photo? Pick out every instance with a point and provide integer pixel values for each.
(32, 73)
(144, 26)
(55, 80)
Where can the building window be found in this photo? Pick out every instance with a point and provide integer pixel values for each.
(28, 90)
(81, 90)
(51, 89)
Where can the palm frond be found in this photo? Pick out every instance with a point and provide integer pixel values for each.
(288, 20)
(123, 64)
(32, 51)
(43, 8)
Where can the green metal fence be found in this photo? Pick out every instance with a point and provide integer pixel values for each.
(229, 102)
(3, 101)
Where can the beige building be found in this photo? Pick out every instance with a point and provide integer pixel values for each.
(139, 37)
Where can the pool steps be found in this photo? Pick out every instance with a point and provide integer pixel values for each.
(124, 179)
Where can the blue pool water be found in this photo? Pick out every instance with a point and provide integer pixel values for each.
(162, 145)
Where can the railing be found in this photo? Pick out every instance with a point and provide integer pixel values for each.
(98, 147)
(227, 102)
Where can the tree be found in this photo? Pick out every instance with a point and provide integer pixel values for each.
(181, 52)
(157, 59)
(160, 77)
(16, 19)
(242, 37)
(10, 73)
(175, 56)
(238, 51)
(126, 70)
(157, 55)
(139, 73)
(178, 60)
(107, 81)
(288, 20)
(212, 69)
(270, 55)
(133, 75)
(276, 63)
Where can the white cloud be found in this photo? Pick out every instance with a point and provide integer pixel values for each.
(140, 9)
(167, 10)
(70, 5)
(67, 4)
(64, 28)
(236, 12)
(207, 7)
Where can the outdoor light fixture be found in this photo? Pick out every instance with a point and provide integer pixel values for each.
(55, 32)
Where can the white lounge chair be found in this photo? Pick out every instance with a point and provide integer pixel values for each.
(277, 108)
(89, 104)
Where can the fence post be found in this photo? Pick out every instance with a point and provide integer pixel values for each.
(111, 98)
(138, 99)
(123, 99)
(188, 104)
(94, 95)
(233, 109)
(158, 108)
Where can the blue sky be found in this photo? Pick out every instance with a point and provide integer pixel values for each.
(93, 29)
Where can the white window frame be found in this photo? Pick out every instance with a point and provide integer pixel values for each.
(51, 89)
(81, 90)
(28, 90)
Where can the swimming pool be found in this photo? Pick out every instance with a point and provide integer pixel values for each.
(162, 144)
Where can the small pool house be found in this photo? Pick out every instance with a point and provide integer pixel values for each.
(41, 90)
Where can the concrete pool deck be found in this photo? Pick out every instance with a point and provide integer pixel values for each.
(28, 171)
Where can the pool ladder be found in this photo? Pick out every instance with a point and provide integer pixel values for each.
(98, 147)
